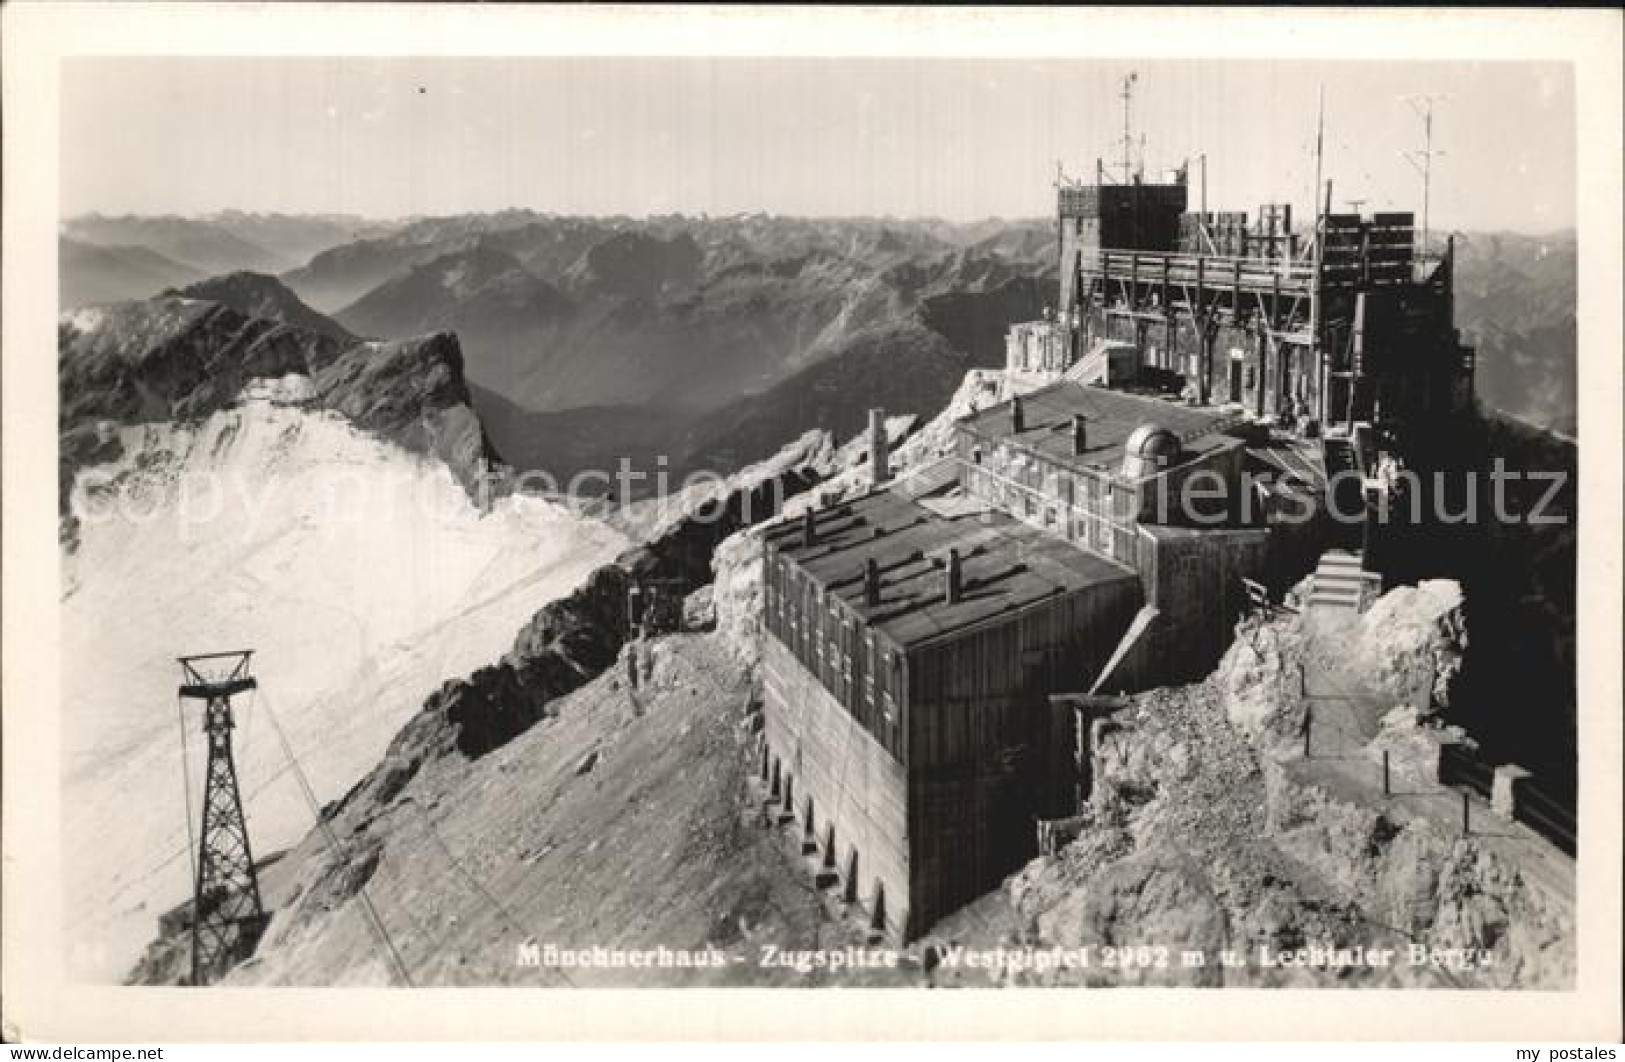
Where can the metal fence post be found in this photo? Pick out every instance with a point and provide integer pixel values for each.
(1466, 822)
(1385, 789)
(1308, 725)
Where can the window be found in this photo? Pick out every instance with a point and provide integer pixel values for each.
(873, 662)
(848, 693)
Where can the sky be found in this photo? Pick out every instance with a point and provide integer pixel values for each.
(955, 138)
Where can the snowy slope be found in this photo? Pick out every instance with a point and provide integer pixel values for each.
(360, 573)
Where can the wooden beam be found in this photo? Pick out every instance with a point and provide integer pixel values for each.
(1091, 702)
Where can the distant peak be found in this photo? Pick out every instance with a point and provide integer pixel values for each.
(256, 294)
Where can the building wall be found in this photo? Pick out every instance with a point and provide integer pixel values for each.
(1163, 497)
(1411, 359)
(857, 666)
(1037, 346)
(984, 763)
(856, 787)
(1194, 580)
(1264, 376)
(1410, 353)
(1093, 510)
(1088, 509)
(1123, 217)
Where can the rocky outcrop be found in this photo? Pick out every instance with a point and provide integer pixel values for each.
(262, 295)
(174, 358)
(411, 392)
(567, 643)
(1208, 833)
(1412, 642)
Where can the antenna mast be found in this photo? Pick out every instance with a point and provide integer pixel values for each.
(1325, 370)
(1127, 95)
(1422, 104)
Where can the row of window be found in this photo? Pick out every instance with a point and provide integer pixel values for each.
(1084, 508)
(857, 666)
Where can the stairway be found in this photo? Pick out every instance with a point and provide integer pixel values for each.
(1094, 367)
(1345, 489)
(1341, 585)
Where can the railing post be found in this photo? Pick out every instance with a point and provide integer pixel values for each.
(1385, 789)
(1308, 725)
(1466, 811)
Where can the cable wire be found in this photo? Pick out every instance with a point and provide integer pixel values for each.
(337, 848)
(186, 782)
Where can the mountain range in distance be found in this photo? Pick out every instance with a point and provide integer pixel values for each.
(711, 340)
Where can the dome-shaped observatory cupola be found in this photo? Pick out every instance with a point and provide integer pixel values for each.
(1150, 449)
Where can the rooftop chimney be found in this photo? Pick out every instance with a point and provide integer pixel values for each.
(809, 531)
(879, 447)
(953, 577)
(1018, 416)
(1080, 435)
(871, 582)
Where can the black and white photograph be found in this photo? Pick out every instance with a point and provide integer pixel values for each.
(659, 520)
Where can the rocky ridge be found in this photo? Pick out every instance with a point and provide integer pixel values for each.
(182, 359)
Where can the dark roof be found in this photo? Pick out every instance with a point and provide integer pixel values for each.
(1112, 416)
(1007, 566)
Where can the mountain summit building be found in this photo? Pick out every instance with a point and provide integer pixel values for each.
(916, 636)
(1349, 322)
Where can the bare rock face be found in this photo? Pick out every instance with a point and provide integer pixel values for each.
(413, 393)
(1483, 903)
(1335, 837)
(175, 358)
(1260, 674)
(1411, 643)
(1207, 832)
(1407, 649)
(1156, 894)
(264, 296)
(700, 610)
(1411, 740)
(737, 594)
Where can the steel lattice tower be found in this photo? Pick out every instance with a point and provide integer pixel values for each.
(227, 916)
